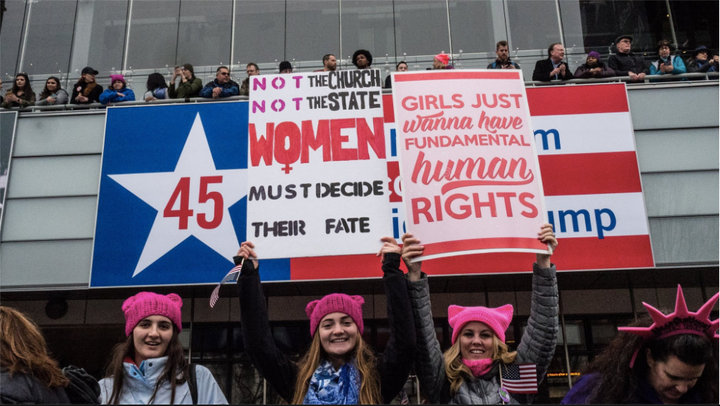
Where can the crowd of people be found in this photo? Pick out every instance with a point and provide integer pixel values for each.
(661, 358)
(184, 84)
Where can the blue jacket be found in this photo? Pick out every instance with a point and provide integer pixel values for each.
(230, 88)
(140, 384)
(677, 63)
(110, 96)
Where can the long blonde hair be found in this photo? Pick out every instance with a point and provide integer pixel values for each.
(456, 370)
(364, 361)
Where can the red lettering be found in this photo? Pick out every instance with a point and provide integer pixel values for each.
(376, 139)
(262, 147)
(336, 139)
(309, 140)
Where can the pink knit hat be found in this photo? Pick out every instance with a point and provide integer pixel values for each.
(498, 319)
(113, 78)
(335, 302)
(146, 304)
(443, 57)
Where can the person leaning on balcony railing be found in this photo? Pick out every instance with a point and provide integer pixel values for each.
(593, 68)
(52, 94)
(21, 95)
(700, 61)
(189, 85)
(624, 62)
(221, 86)
(118, 91)
(667, 64)
(503, 57)
(552, 68)
(157, 88)
(252, 70)
(86, 90)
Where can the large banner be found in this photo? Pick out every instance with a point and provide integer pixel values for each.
(172, 204)
(470, 172)
(317, 168)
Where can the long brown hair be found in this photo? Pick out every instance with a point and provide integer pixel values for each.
(176, 365)
(364, 361)
(24, 350)
(456, 370)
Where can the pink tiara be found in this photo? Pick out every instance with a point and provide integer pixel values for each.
(681, 321)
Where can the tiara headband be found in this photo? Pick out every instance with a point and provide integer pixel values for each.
(681, 321)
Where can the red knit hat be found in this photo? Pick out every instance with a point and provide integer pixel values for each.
(335, 302)
(146, 304)
(443, 57)
(498, 319)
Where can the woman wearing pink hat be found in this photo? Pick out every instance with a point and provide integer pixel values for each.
(118, 91)
(150, 366)
(471, 371)
(339, 367)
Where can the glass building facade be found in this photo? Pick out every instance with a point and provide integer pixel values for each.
(138, 37)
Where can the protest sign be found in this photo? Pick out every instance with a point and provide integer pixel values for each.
(317, 173)
(471, 179)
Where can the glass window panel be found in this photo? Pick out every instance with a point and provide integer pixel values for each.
(219, 372)
(472, 27)
(255, 20)
(99, 36)
(12, 26)
(696, 23)
(604, 21)
(369, 25)
(49, 37)
(421, 30)
(153, 34)
(533, 24)
(247, 385)
(603, 331)
(572, 27)
(313, 30)
(204, 34)
(575, 333)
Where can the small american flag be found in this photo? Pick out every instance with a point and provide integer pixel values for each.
(520, 378)
(232, 275)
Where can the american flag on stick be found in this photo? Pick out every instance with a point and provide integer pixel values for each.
(519, 378)
(232, 275)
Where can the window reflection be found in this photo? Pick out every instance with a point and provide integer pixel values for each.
(204, 34)
(421, 30)
(256, 20)
(312, 30)
(99, 36)
(369, 25)
(153, 34)
(49, 37)
(12, 26)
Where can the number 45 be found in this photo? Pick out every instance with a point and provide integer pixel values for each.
(182, 193)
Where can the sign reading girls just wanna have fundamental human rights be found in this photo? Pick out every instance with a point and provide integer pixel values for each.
(471, 178)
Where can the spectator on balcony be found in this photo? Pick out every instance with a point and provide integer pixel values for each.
(252, 70)
(402, 66)
(329, 63)
(442, 61)
(189, 85)
(624, 62)
(221, 86)
(21, 95)
(52, 94)
(701, 62)
(285, 67)
(593, 68)
(362, 59)
(157, 89)
(86, 90)
(552, 68)
(667, 64)
(503, 57)
(118, 91)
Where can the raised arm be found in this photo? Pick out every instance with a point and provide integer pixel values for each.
(538, 342)
(429, 362)
(273, 365)
(397, 359)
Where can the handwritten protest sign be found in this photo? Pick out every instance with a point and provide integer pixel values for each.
(317, 173)
(471, 179)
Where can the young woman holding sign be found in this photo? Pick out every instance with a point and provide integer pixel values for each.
(339, 367)
(471, 370)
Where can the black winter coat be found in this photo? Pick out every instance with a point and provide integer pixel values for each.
(22, 389)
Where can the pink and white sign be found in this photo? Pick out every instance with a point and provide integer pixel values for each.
(317, 164)
(471, 178)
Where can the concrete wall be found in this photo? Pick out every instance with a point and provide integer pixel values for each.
(52, 191)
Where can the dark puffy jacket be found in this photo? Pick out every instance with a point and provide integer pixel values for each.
(22, 389)
(537, 345)
(230, 88)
